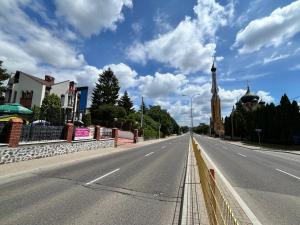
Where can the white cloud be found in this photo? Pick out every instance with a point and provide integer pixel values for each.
(34, 45)
(274, 57)
(265, 96)
(279, 27)
(190, 45)
(161, 85)
(92, 16)
(126, 76)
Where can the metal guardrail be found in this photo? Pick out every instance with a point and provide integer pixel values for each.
(218, 209)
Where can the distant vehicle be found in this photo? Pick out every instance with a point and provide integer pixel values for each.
(41, 123)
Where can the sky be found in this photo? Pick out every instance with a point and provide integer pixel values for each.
(161, 50)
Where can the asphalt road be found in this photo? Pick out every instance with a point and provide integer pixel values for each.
(268, 182)
(136, 187)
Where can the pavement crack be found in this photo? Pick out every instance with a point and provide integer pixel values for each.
(133, 193)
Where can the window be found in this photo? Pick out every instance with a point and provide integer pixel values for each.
(15, 97)
(70, 100)
(62, 100)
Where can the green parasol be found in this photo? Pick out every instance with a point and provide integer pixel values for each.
(14, 108)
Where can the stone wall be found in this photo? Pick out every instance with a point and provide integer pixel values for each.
(42, 150)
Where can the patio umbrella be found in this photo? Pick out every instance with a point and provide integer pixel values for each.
(14, 108)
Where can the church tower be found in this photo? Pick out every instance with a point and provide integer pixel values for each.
(216, 124)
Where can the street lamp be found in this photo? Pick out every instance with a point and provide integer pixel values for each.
(191, 101)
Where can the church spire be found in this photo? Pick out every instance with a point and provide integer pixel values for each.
(214, 87)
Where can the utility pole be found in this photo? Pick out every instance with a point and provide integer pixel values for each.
(192, 122)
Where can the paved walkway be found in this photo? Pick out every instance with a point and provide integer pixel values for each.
(241, 144)
(194, 210)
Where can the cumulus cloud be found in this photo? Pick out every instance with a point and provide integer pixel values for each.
(161, 85)
(265, 96)
(92, 16)
(273, 30)
(34, 45)
(126, 76)
(191, 44)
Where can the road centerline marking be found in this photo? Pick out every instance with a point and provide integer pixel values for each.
(241, 155)
(105, 175)
(149, 154)
(292, 175)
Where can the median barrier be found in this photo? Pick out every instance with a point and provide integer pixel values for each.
(218, 209)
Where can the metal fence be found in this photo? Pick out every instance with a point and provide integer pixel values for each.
(105, 133)
(4, 128)
(41, 133)
(218, 209)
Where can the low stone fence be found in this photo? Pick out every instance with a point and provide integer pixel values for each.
(43, 150)
(22, 142)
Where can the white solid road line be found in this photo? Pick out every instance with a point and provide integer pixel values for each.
(244, 206)
(105, 175)
(149, 154)
(241, 155)
(288, 174)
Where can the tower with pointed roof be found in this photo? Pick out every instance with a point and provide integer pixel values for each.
(216, 124)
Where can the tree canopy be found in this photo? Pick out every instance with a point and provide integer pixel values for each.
(106, 90)
(126, 103)
(279, 124)
(4, 75)
(51, 109)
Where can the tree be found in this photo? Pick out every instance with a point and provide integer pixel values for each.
(3, 76)
(86, 119)
(202, 129)
(143, 108)
(126, 103)
(36, 112)
(51, 109)
(105, 115)
(106, 90)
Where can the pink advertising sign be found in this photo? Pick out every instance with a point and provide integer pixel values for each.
(82, 133)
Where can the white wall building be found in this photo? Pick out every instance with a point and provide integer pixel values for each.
(27, 90)
(30, 91)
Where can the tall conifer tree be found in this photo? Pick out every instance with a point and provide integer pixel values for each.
(106, 90)
(126, 103)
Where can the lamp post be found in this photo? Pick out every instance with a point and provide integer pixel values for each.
(191, 101)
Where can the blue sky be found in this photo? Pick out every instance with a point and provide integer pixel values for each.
(159, 49)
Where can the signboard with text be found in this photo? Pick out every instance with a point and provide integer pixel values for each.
(82, 133)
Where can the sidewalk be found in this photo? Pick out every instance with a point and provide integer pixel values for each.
(240, 144)
(193, 210)
(20, 168)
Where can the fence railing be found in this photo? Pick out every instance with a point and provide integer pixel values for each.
(41, 133)
(4, 127)
(218, 209)
(105, 133)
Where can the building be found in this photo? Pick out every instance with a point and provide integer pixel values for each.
(30, 91)
(216, 123)
(251, 101)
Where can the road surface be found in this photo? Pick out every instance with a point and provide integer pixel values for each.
(269, 182)
(136, 187)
